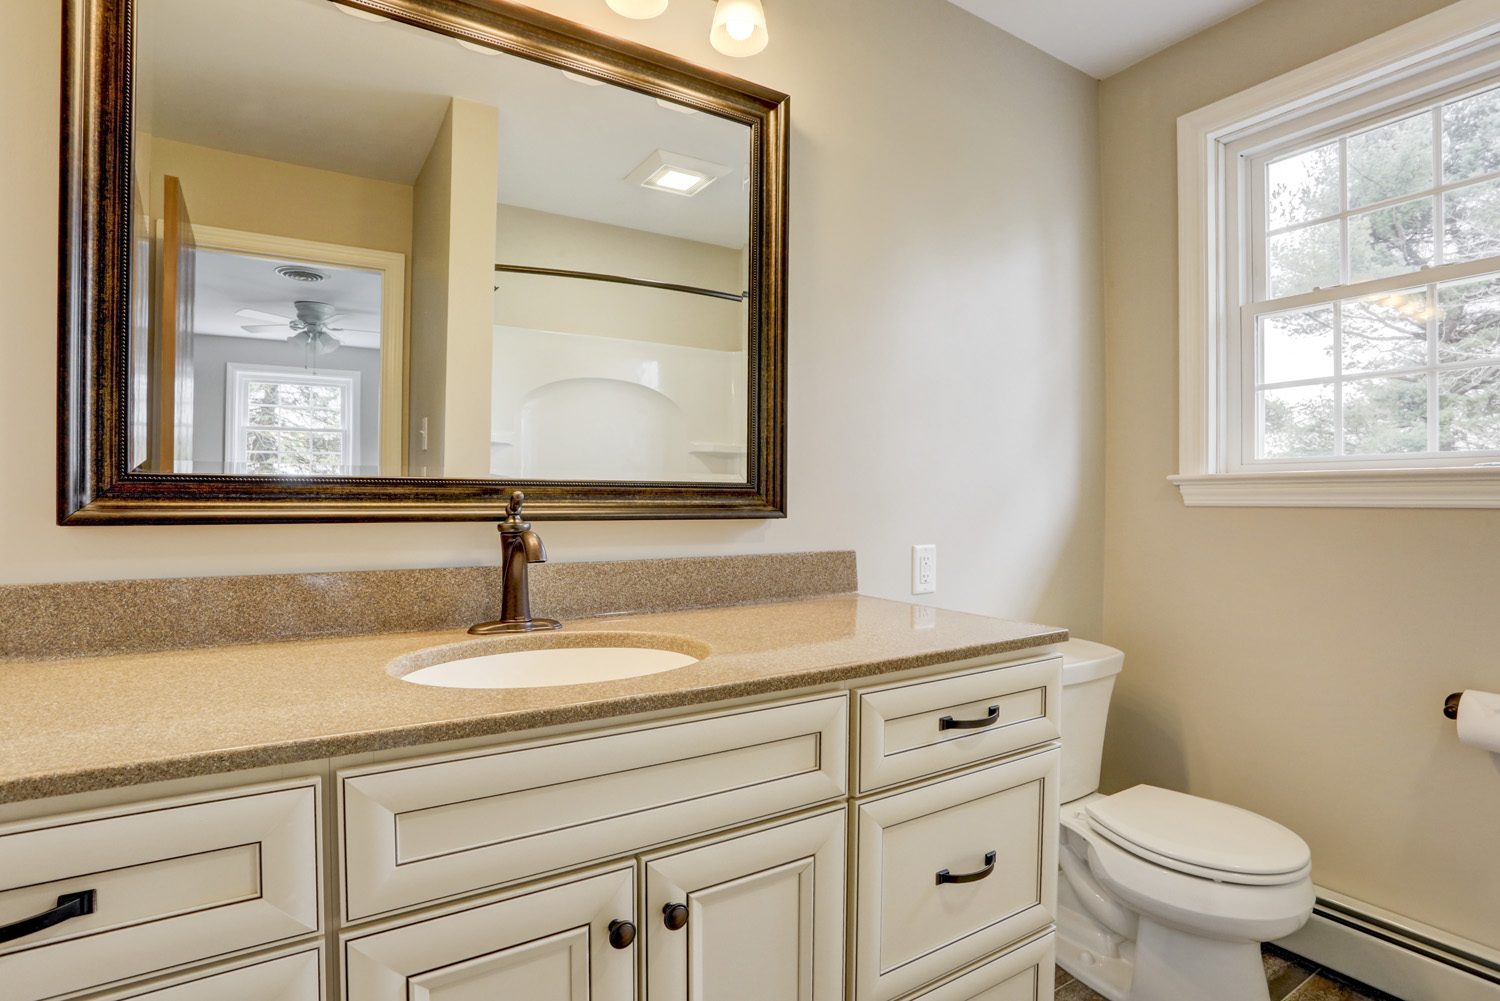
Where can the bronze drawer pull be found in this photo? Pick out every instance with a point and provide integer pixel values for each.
(69, 905)
(949, 723)
(944, 876)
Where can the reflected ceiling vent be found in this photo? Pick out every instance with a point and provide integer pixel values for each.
(676, 173)
(297, 274)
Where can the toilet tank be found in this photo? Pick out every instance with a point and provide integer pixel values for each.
(1088, 680)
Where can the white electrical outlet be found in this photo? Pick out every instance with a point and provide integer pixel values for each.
(923, 569)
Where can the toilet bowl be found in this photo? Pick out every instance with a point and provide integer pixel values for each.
(1163, 896)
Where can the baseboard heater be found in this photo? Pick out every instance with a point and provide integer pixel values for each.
(1405, 958)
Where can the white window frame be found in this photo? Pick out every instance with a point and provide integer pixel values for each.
(238, 378)
(1452, 48)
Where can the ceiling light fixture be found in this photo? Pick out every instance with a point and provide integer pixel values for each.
(676, 173)
(738, 29)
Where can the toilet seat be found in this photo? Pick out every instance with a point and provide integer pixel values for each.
(1200, 837)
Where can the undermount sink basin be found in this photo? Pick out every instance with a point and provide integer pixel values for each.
(548, 661)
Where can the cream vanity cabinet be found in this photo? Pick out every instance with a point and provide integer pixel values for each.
(889, 842)
(112, 895)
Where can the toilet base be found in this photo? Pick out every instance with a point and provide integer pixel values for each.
(1162, 964)
(1171, 965)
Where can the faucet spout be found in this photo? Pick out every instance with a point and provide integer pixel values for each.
(519, 547)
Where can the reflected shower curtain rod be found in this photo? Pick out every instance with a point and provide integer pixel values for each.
(622, 280)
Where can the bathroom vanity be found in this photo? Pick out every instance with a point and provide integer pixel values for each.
(848, 798)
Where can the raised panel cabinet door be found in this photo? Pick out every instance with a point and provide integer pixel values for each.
(953, 870)
(548, 944)
(749, 917)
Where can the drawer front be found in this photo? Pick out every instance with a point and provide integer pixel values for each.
(913, 927)
(443, 827)
(547, 944)
(918, 728)
(174, 882)
(295, 977)
(1025, 973)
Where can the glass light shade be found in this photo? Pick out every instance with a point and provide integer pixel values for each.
(639, 9)
(739, 28)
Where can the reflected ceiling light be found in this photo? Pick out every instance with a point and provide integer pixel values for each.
(483, 50)
(738, 29)
(681, 109)
(639, 9)
(587, 81)
(363, 15)
(676, 173)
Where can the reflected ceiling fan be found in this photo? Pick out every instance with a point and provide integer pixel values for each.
(312, 326)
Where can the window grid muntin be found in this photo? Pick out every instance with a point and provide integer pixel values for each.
(1253, 435)
(241, 377)
(281, 432)
(1259, 161)
(1244, 394)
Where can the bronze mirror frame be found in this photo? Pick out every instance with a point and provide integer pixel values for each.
(95, 483)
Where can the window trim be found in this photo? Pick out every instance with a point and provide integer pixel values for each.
(238, 377)
(1464, 37)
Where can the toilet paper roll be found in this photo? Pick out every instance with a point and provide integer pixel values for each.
(1479, 720)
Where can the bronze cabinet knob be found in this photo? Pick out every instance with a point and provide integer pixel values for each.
(621, 934)
(674, 916)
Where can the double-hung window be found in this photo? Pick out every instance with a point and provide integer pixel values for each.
(290, 422)
(1341, 278)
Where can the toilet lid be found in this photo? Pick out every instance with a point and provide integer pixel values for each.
(1169, 827)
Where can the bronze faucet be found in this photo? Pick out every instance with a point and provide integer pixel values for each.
(519, 547)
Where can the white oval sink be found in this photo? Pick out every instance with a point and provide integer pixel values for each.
(550, 665)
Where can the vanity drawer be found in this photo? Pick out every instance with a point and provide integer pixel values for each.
(294, 977)
(174, 882)
(440, 827)
(919, 728)
(1025, 973)
(912, 929)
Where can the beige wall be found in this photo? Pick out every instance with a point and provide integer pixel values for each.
(249, 193)
(575, 306)
(1293, 662)
(945, 363)
(453, 241)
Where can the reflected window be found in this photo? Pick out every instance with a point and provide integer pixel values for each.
(291, 422)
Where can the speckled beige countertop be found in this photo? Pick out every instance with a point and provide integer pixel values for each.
(89, 723)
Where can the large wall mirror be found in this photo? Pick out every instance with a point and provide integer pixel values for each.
(390, 259)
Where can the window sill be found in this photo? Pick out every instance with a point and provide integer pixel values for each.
(1450, 487)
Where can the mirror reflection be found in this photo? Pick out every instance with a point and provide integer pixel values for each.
(365, 249)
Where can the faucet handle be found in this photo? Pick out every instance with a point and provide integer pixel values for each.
(513, 521)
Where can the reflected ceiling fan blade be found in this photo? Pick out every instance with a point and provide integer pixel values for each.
(351, 330)
(256, 314)
(265, 328)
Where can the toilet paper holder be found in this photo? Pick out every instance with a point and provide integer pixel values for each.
(1450, 705)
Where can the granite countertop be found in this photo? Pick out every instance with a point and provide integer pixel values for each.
(94, 722)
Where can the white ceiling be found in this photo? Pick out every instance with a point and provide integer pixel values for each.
(1102, 37)
(299, 82)
(226, 283)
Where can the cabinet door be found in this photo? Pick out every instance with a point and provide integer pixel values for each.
(550, 944)
(765, 916)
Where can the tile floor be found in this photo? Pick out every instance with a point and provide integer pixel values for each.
(1290, 978)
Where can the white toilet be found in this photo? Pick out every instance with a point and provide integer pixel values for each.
(1163, 896)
